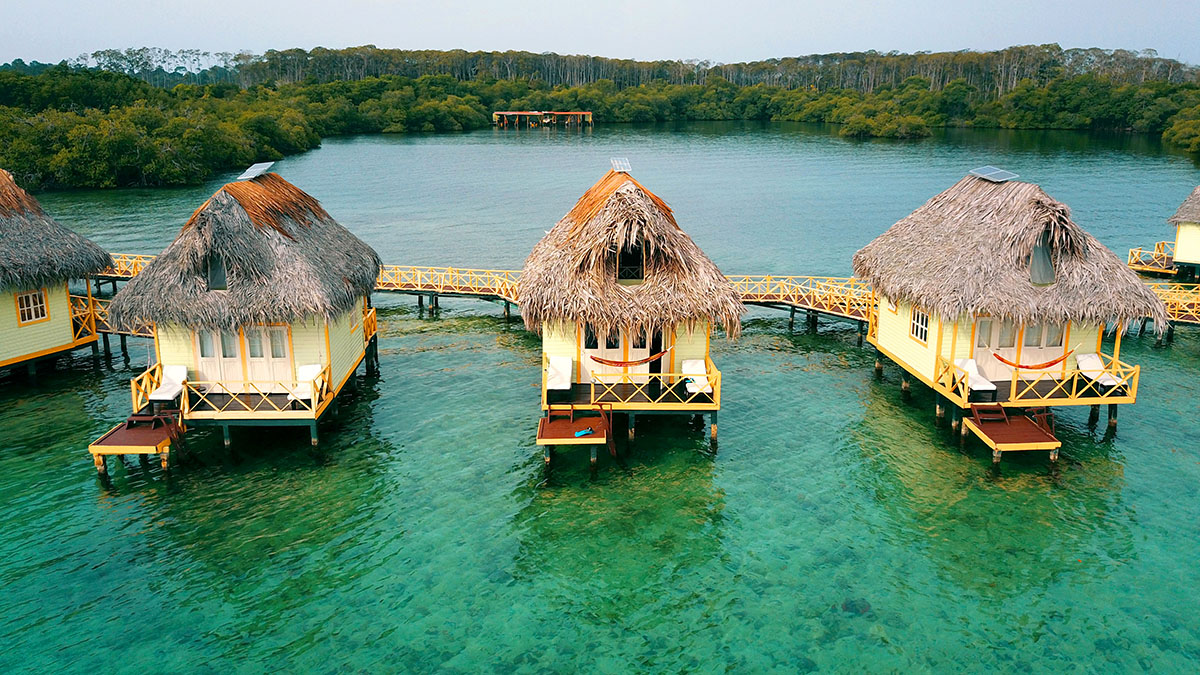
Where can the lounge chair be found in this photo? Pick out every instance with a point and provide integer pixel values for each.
(975, 380)
(695, 382)
(558, 373)
(171, 386)
(1091, 366)
(306, 377)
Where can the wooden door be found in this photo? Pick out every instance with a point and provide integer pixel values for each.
(219, 358)
(638, 348)
(268, 357)
(609, 348)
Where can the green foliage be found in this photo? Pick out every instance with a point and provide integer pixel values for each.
(75, 127)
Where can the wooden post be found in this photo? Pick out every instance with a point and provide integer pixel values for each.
(791, 319)
(878, 364)
(1094, 415)
(939, 413)
(713, 431)
(312, 432)
(507, 311)
(101, 464)
(955, 420)
(962, 435)
(420, 301)
(593, 461)
(1112, 415)
(31, 370)
(1142, 330)
(1170, 333)
(631, 422)
(433, 302)
(905, 384)
(812, 321)
(546, 455)
(124, 346)
(225, 435)
(164, 458)
(862, 329)
(107, 349)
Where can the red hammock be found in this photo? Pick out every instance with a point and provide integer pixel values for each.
(1035, 366)
(627, 364)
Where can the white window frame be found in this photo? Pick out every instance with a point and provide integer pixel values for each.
(32, 307)
(918, 326)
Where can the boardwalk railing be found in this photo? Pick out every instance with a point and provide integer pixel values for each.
(1160, 259)
(1182, 300)
(83, 317)
(449, 281)
(841, 296)
(126, 265)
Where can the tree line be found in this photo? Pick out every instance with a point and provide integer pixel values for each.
(85, 125)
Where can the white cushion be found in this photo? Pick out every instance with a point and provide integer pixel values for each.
(975, 380)
(172, 384)
(1092, 368)
(558, 375)
(697, 376)
(304, 385)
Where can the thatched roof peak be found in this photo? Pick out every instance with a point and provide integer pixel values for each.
(968, 250)
(285, 258)
(1189, 210)
(36, 250)
(571, 274)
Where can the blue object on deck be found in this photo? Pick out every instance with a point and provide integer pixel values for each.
(584, 432)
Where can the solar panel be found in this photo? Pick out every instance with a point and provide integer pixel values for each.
(993, 174)
(620, 164)
(255, 170)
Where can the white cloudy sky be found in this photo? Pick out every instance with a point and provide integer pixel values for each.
(727, 31)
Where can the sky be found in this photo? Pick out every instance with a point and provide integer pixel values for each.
(720, 31)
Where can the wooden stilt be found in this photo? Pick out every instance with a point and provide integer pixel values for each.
(955, 419)
(107, 348)
(312, 433)
(878, 364)
(507, 311)
(124, 346)
(631, 417)
(905, 384)
(164, 458)
(546, 454)
(861, 331)
(791, 319)
(995, 456)
(1170, 333)
(712, 441)
(1112, 415)
(593, 462)
(433, 302)
(31, 370)
(420, 302)
(939, 413)
(101, 464)
(812, 321)
(1094, 415)
(962, 435)
(225, 435)
(1142, 330)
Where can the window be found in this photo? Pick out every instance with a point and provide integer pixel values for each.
(216, 273)
(1054, 335)
(612, 340)
(983, 333)
(229, 344)
(1033, 336)
(278, 343)
(1041, 266)
(589, 338)
(920, 325)
(31, 307)
(630, 264)
(1008, 335)
(254, 343)
(206, 344)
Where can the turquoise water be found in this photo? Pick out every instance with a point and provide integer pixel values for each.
(836, 528)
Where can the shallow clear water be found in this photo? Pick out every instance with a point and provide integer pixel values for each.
(836, 529)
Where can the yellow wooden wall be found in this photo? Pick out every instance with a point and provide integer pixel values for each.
(1187, 243)
(308, 342)
(18, 341)
(561, 339)
(346, 344)
(895, 339)
(176, 346)
(689, 345)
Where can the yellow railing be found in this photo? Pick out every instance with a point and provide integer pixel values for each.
(370, 324)
(142, 385)
(664, 391)
(1071, 387)
(255, 398)
(1158, 260)
(126, 265)
(843, 296)
(952, 382)
(501, 283)
(83, 317)
(1182, 300)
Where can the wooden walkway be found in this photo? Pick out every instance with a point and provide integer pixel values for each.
(839, 297)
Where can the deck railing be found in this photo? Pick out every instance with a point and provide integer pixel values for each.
(141, 386)
(257, 398)
(126, 265)
(1070, 387)
(843, 296)
(370, 324)
(1159, 259)
(83, 317)
(656, 390)
(500, 283)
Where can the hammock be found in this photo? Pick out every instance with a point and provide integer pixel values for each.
(629, 364)
(1035, 366)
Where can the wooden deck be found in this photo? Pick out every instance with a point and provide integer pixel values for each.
(140, 435)
(561, 430)
(1018, 433)
(1159, 261)
(626, 396)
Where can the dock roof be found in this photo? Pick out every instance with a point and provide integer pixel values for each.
(285, 258)
(967, 252)
(36, 250)
(571, 273)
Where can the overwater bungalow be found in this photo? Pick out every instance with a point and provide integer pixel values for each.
(261, 312)
(625, 303)
(992, 296)
(1180, 257)
(39, 317)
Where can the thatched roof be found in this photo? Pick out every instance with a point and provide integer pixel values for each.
(285, 257)
(571, 274)
(35, 250)
(967, 251)
(1189, 210)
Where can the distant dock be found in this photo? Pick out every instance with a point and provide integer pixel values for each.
(541, 118)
